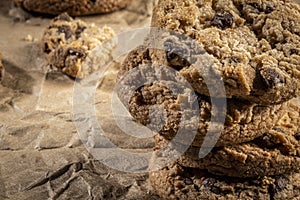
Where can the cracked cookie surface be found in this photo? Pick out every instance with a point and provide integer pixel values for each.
(76, 48)
(158, 107)
(177, 182)
(254, 45)
(275, 152)
(74, 7)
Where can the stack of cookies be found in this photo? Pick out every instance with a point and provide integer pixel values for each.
(243, 143)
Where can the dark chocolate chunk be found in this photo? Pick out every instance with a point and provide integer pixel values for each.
(271, 77)
(188, 181)
(266, 142)
(222, 19)
(256, 6)
(175, 54)
(66, 30)
(297, 136)
(215, 190)
(268, 10)
(279, 185)
(209, 182)
(294, 51)
(79, 31)
(46, 48)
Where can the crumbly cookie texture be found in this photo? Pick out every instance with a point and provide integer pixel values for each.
(76, 48)
(276, 152)
(178, 182)
(156, 105)
(254, 45)
(72, 7)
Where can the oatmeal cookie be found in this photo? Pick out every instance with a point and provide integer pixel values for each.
(77, 48)
(178, 182)
(73, 7)
(254, 45)
(156, 106)
(276, 152)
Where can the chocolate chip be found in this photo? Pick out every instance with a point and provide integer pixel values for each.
(79, 31)
(175, 54)
(235, 59)
(222, 19)
(197, 188)
(209, 182)
(46, 48)
(256, 6)
(268, 10)
(297, 136)
(294, 51)
(271, 77)
(215, 190)
(279, 185)
(66, 30)
(266, 142)
(188, 181)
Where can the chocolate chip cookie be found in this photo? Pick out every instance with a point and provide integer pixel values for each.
(73, 7)
(178, 182)
(276, 152)
(157, 106)
(254, 45)
(76, 48)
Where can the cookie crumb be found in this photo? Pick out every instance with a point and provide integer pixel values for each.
(29, 38)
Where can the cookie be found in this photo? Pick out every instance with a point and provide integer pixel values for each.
(242, 122)
(254, 45)
(76, 48)
(178, 182)
(276, 152)
(73, 7)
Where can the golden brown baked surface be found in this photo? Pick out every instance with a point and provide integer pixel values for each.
(76, 48)
(254, 45)
(276, 152)
(243, 120)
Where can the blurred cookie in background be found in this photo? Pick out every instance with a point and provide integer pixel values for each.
(73, 7)
(76, 48)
